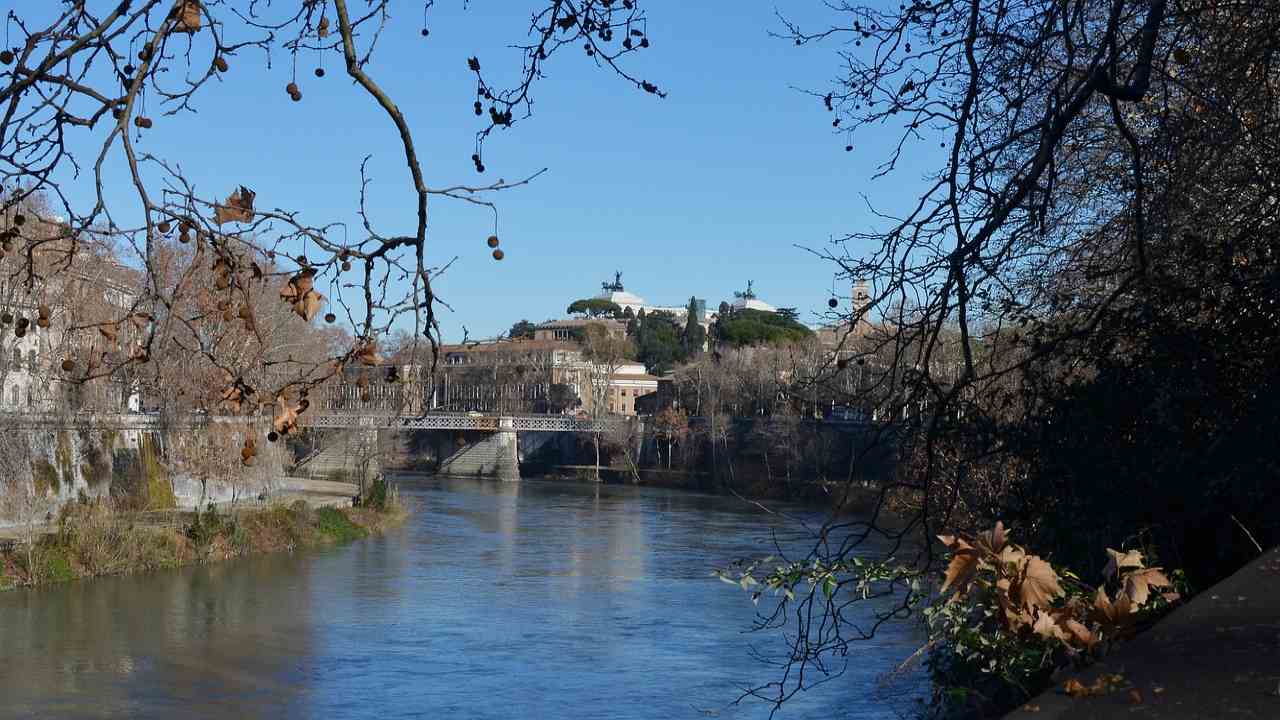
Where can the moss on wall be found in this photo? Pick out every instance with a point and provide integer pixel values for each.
(127, 486)
(62, 453)
(45, 476)
(95, 456)
(155, 475)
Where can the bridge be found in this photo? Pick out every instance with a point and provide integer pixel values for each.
(489, 442)
(456, 421)
(474, 444)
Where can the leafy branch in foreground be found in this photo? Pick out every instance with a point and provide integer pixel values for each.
(1001, 623)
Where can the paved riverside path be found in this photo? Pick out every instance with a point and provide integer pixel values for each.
(1217, 657)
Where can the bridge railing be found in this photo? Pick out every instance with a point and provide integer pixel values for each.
(457, 421)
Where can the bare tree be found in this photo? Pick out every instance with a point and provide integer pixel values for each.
(1102, 190)
(111, 71)
(604, 354)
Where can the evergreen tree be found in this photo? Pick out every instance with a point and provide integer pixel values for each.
(633, 325)
(694, 338)
(522, 329)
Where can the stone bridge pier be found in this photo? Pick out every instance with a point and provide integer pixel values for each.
(492, 454)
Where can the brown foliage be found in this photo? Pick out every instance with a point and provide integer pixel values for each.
(1029, 594)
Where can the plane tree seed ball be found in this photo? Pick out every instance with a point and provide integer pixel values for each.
(330, 317)
(68, 365)
(832, 303)
(493, 241)
(498, 254)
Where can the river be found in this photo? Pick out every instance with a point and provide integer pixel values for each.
(516, 600)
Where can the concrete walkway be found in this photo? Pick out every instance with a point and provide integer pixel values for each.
(1217, 657)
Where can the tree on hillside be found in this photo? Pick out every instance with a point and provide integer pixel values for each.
(595, 308)
(694, 337)
(523, 329)
(750, 327)
(658, 343)
(219, 272)
(1093, 249)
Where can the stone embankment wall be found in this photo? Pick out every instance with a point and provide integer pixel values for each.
(44, 468)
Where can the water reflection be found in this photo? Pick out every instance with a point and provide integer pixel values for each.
(496, 600)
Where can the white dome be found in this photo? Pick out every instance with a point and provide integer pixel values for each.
(622, 298)
(753, 304)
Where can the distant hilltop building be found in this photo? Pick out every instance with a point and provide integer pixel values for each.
(617, 294)
(747, 300)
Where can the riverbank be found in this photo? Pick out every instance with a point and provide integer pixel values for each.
(839, 497)
(94, 539)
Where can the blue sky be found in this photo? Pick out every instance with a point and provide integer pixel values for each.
(693, 194)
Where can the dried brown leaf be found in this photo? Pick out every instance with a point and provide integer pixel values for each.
(286, 418)
(237, 208)
(1117, 561)
(1138, 584)
(188, 17)
(309, 305)
(367, 353)
(1046, 627)
(1040, 584)
(961, 570)
(1080, 635)
(992, 541)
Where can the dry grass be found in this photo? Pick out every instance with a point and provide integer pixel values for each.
(96, 538)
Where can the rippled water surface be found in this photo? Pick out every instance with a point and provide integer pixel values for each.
(518, 600)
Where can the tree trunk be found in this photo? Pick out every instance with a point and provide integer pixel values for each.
(596, 441)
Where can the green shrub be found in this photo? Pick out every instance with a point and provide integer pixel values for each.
(337, 526)
(376, 498)
(55, 566)
(209, 525)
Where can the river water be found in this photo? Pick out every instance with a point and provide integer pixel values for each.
(516, 600)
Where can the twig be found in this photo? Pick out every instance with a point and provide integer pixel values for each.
(1248, 534)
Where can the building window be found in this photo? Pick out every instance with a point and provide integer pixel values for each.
(13, 395)
(17, 359)
(31, 359)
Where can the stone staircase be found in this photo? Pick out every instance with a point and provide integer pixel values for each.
(337, 458)
(494, 456)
